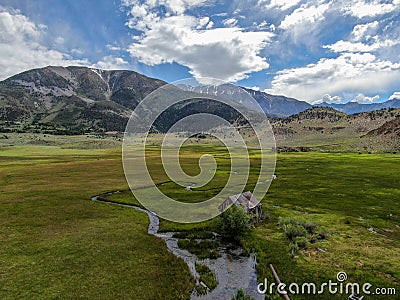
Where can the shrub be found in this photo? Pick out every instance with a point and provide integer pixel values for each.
(293, 231)
(293, 248)
(234, 222)
(301, 233)
(203, 249)
(240, 295)
(207, 277)
(301, 242)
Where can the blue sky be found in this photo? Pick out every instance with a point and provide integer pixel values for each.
(318, 50)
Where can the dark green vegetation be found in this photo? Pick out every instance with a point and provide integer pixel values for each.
(198, 243)
(58, 244)
(234, 223)
(301, 233)
(202, 249)
(240, 295)
(207, 277)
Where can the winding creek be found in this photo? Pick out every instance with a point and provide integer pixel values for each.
(232, 270)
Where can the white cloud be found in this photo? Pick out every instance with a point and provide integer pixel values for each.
(20, 47)
(113, 47)
(203, 22)
(362, 31)
(396, 95)
(210, 25)
(59, 40)
(347, 46)
(362, 99)
(304, 15)
(111, 63)
(254, 88)
(231, 22)
(142, 8)
(330, 99)
(279, 4)
(362, 8)
(225, 53)
(304, 24)
(354, 72)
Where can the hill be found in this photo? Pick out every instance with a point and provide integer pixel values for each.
(73, 99)
(354, 107)
(323, 128)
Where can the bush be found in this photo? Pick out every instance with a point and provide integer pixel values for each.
(301, 233)
(203, 249)
(293, 231)
(293, 248)
(301, 242)
(240, 295)
(207, 277)
(234, 222)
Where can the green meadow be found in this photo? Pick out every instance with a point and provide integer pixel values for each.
(56, 243)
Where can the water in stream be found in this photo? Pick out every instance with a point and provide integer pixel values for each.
(232, 270)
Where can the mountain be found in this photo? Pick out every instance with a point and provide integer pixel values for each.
(73, 98)
(327, 129)
(355, 107)
(273, 106)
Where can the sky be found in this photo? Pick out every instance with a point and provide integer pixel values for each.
(318, 50)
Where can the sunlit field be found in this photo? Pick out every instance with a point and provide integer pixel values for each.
(56, 243)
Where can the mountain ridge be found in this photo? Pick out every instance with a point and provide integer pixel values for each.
(72, 100)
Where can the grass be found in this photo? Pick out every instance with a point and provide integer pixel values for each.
(207, 277)
(202, 249)
(347, 194)
(58, 244)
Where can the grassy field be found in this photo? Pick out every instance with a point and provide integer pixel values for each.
(58, 244)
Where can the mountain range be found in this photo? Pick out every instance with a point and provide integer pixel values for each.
(81, 99)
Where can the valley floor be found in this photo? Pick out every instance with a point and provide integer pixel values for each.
(56, 243)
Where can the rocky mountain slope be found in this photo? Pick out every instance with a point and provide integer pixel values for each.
(73, 98)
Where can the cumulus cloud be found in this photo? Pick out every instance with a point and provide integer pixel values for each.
(228, 53)
(110, 62)
(20, 47)
(330, 99)
(305, 14)
(362, 99)
(363, 8)
(304, 24)
(231, 22)
(354, 72)
(279, 4)
(361, 31)
(396, 95)
(347, 46)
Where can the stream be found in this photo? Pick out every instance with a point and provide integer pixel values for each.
(232, 270)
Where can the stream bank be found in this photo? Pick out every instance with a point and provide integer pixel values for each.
(232, 270)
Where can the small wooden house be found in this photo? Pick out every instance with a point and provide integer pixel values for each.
(247, 201)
